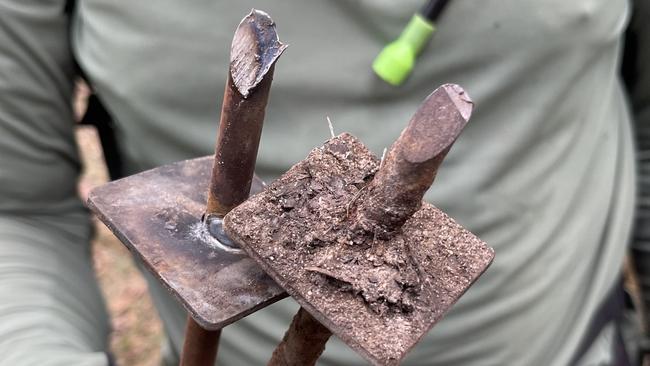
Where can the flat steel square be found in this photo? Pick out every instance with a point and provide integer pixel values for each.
(293, 230)
(157, 215)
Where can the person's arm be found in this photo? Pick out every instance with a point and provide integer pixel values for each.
(51, 311)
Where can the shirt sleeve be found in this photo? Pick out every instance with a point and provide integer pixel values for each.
(51, 311)
(39, 165)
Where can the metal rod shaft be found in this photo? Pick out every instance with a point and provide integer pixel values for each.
(303, 342)
(200, 345)
(395, 194)
(255, 49)
(412, 162)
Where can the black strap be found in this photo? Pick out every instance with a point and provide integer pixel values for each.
(69, 6)
(97, 115)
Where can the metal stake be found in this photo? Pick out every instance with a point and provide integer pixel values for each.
(254, 51)
(395, 194)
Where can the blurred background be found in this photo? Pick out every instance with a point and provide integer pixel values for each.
(137, 330)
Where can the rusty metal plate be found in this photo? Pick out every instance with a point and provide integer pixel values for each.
(157, 215)
(379, 296)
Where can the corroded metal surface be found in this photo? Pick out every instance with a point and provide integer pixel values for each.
(303, 343)
(200, 346)
(352, 241)
(254, 51)
(411, 164)
(326, 276)
(157, 215)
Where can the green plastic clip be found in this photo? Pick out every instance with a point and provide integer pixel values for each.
(395, 62)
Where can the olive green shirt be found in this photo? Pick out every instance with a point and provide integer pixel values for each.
(544, 171)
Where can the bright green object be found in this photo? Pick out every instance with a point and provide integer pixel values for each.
(395, 62)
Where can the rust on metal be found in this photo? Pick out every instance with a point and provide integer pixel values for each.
(157, 215)
(378, 293)
(200, 346)
(303, 342)
(165, 216)
(254, 51)
(409, 168)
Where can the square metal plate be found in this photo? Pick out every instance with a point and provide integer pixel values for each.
(157, 215)
(289, 232)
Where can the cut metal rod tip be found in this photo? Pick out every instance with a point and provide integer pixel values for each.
(461, 99)
(436, 124)
(411, 164)
(254, 50)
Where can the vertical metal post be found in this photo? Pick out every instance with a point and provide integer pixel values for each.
(255, 49)
(396, 193)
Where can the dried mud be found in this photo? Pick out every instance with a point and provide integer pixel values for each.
(380, 295)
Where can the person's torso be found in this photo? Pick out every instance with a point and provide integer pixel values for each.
(542, 171)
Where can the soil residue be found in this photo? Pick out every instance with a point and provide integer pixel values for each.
(318, 210)
(378, 294)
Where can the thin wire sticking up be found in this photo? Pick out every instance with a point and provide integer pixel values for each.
(383, 155)
(329, 124)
